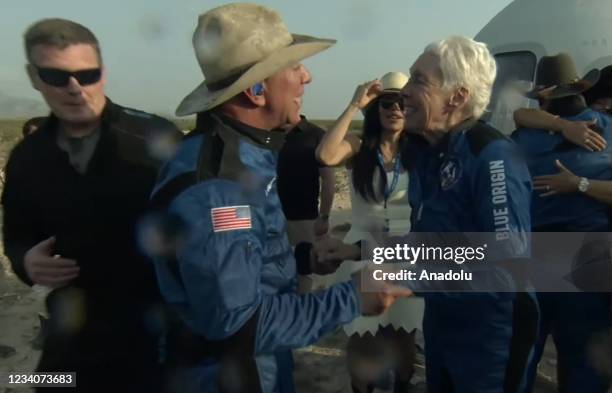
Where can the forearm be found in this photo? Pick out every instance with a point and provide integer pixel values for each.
(537, 118)
(328, 150)
(600, 190)
(284, 321)
(291, 321)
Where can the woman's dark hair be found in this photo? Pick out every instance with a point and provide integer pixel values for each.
(365, 162)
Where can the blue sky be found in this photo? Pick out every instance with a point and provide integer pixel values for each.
(147, 49)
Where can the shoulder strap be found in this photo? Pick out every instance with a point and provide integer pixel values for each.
(209, 159)
(208, 166)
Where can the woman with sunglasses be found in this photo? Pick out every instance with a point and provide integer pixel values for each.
(379, 185)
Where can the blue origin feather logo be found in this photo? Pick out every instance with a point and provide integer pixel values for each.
(450, 173)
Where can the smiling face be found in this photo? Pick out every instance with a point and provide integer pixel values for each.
(425, 101)
(283, 92)
(390, 112)
(72, 103)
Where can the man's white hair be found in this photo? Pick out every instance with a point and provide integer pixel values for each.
(469, 64)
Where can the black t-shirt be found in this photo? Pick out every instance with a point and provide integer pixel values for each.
(298, 172)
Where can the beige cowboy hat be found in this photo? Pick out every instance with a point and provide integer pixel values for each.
(391, 83)
(238, 45)
(556, 77)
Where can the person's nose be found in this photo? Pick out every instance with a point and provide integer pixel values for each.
(306, 76)
(73, 86)
(399, 105)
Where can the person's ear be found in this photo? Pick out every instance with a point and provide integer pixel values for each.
(459, 98)
(256, 94)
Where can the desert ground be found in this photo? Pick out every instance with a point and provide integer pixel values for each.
(320, 368)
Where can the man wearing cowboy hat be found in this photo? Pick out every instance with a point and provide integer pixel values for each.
(232, 278)
(572, 318)
(578, 132)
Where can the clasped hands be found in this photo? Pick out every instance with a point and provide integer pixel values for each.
(375, 296)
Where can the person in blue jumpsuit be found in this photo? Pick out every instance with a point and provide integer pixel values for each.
(466, 177)
(231, 273)
(571, 318)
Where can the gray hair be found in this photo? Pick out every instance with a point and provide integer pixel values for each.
(469, 64)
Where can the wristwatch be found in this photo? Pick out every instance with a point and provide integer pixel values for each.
(324, 216)
(583, 184)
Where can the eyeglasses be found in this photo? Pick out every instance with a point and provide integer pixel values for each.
(61, 78)
(387, 102)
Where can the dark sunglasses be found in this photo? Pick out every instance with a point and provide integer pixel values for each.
(387, 102)
(60, 78)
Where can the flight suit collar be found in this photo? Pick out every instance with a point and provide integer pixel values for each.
(272, 140)
(447, 140)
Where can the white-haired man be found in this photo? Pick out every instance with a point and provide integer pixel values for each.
(233, 277)
(465, 177)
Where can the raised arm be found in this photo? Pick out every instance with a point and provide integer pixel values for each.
(337, 146)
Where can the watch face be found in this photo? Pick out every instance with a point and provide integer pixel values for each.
(583, 184)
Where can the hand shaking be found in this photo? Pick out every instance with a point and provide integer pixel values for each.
(376, 296)
(328, 253)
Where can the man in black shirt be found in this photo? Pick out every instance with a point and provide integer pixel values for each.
(74, 191)
(298, 184)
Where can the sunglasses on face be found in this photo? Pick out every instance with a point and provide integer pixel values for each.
(61, 78)
(387, 102)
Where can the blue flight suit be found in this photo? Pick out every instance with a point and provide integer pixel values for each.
(572, 318)
(475, 342)
(235, 284)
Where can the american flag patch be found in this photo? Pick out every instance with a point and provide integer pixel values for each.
(231, 218)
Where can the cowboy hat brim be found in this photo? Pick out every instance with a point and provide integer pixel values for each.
(565, 90)
(203, 99)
